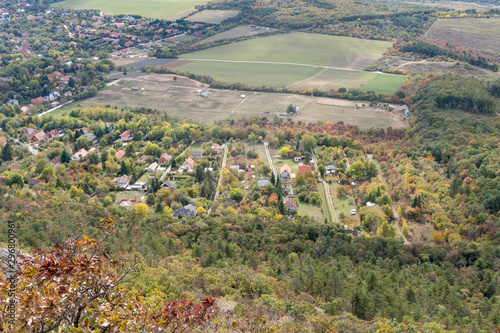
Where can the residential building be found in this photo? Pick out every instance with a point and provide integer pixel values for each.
(188, 164)
(285, 172)
(165, 158)
(152, 167)
(291, 206)
(187, 211)
(119, 154)
(122, 181)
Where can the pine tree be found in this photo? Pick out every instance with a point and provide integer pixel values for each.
(65, 157)
(123, 168)
(7, 152)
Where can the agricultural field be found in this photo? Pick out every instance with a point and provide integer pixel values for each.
(296, 60)
(161, 9)
(328, 79)
(269, 75)
(475, 33)
(179, 99)
(239, 31)
(212, 16)
(300, 48)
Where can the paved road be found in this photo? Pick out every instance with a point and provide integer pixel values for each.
(292, 63)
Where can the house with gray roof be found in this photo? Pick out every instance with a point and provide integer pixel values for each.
(187, 211)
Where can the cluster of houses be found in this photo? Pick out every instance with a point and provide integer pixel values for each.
(40, 136)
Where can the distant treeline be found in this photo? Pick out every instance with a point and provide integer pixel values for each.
(430, 50)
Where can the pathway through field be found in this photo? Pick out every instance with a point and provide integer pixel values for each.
(293, 64)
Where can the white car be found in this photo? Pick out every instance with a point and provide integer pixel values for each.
(353, 211)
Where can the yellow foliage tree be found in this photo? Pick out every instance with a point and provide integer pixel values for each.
(141, 210)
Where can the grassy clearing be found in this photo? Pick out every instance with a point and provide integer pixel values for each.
(341, 205)
(384, 84)
(213, 16)
(333, 79)
(304, 48)
(270, 75)
(476, 33)
(239, 31)
(162, 9)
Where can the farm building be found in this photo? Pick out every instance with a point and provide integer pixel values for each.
(204, 94)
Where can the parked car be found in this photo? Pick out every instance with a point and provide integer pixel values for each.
(353, 211)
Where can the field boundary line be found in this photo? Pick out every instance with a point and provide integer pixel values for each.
(293, 64)
(309, 78)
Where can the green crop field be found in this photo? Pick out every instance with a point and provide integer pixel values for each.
(171, 9)
(296, 60)
(269, 75)
(302, 48)
(213, 16)
(384, 84)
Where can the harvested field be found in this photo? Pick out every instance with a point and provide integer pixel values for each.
(212, 16)
(124, 61)
(475, 33)
(179, 98)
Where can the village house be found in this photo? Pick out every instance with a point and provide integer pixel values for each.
(14, 166)
(197, 154)
(55, 161)
(217, 148)
(285, 172)
(291, 206)
(91, 137)
(40, 136)
(145, 158)
(122, 181)
(125, 135)
(80, 155)
(188, 164)
(119, 154)
(29, 132)
(165, 158)
(330, 169)
(263, 182)
(169, 185)
(305, 168)
(152, 167)
(187, 211)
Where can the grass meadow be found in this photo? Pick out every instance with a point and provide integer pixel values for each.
(301, 48)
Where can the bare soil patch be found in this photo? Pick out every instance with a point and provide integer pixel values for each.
(124, 61)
